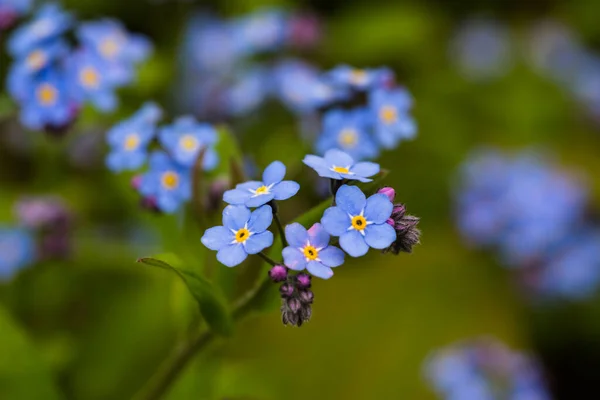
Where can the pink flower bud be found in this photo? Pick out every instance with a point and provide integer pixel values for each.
(389, 192)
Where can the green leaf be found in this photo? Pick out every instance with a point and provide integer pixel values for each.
(211, 301)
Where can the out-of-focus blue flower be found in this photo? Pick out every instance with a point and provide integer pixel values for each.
(361, 79)
(243, 232)
(48, 101)
(49, 22)
(311, 250)
(129, 139)
(272, 187)
(338, 165)
(484, 370)
(17, 250)
(360, 222)
(248, 92)
(295, 85)
(184, 140)
(261, 31)
(39, 57)
(167, 182)
(347, 131)
(390, 113)
(90, 81)
(10, 10)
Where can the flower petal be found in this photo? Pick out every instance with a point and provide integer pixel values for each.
(331, 256)
(335, 221)
(296, 235)
(235, 217)
(232, 255)
(318, 236)
(236, 196)
(284, 190)
(365, 169)
(258, 242)
(320, 166)
(260, 219)
(354, 244)
(293, 259)
(274, 173)
(380, 236)
(217, 237)
(378, 208)
(338, 158)
(350, 199)
(249, 185)
(259, 200)
(319, 270)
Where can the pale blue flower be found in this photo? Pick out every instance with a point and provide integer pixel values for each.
(90, 81)
(360, 78)
(348, 131)
(185, 138)
(17, 250)
(338, 165)
(390, 113)
(243, 232)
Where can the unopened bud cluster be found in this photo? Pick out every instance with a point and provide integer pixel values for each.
(296, 296)
(407, 233)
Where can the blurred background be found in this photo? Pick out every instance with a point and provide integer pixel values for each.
(505, 79)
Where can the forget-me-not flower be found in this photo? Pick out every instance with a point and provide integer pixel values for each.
(17, 250)
(360, 222)
(348, 131)
(243, 232)
(40, 56)
(359, 78)
(311, 250)
(184, 140)
(393, 123)
(167, 182)
(89, 80)
(272, 187)
(338, 165)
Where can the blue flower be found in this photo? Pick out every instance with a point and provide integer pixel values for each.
(248, 92)
(261, 31)
(243, 232)
(338, 165)
(17, 250)
(186, 137)
(310, 249)
(90, 81)
(49, 22)
(360, 79)
(347, 131)
(255, 194)
(47, 101)
(360, 222)
(129, 139)
(390, 109)
(167, 182)
(40, 56)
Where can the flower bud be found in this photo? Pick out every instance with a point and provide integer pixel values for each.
(307, 296)
(136, 182)
(294, 305)
(391, 222)
(278, 273)
(389, 192)
(407, 233)
(286, 290)
(303, 280)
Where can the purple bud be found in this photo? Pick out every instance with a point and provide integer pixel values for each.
(136, 182)
(389, 192)
(398, 210)
(391, 222)
(149, 203)
(303, 281)
(294, 305)
(278, 273)
(286, 290)
(307, 296)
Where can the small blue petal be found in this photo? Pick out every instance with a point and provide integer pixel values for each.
(380, 236)
(259, 200)
(235, 217)
(365, 169)
(236, 196)
(331, 256)
(319, 270)
(319, 165)
(350, 199)
(167, 203)
(274, 173)
(378, 208)
(338, 158)
(284, 190)
(318, 236)
(251, 185)
(217, 237)
(335, 221)
(258, 242)
(260, 219)
(354, 243)
(296, 235)
(294, 259)
(232, 255)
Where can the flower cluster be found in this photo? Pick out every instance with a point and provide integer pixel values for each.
(11, 10)
(52, 80)
(220, 74)
(176, 148)
(356, 222)
(534, 215)
(485, 370)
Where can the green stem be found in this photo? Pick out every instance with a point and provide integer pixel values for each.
(267, 259)
(278, 223)
(184, 353)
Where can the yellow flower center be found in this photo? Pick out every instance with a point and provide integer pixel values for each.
(170, 180)
(358, 76)
(359, 222)
(348, 138)
(109, 47)
(242, 235)
(47, 94)
(262, 190)
(132, 141)
(311, 253)
(189, 143)
(341, 170)
(36, 59)
(388, 114)
(89, 77)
